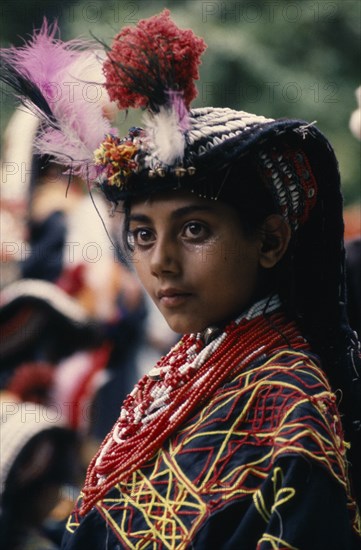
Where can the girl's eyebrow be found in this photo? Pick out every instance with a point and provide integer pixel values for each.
(139, 218)
(190, 209)
(175, 214)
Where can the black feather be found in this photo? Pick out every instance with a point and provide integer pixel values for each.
(27, 92)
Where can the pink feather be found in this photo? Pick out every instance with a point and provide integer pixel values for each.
(44, 57)
(71, 80)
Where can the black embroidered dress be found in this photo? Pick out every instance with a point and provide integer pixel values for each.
(260, 466)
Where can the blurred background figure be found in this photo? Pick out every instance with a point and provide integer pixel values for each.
(14, 193)
(353, 272)
(39, 459)
(353, 237)
(355, 119)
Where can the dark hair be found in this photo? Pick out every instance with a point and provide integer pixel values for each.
(295, 277)
(243, 190)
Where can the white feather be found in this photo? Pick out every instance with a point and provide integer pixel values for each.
(165, 139)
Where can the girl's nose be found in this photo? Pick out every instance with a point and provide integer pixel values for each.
(165, 257)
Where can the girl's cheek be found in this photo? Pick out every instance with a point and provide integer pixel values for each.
(137, 262)
(208, 250)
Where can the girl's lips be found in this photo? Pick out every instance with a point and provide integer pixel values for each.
(173, 298)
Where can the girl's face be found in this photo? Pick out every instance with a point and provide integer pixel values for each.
(193, 259)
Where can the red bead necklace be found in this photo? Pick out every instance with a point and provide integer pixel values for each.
(180, 383)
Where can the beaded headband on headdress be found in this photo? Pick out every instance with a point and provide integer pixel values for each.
(216, 137)
(151, 66)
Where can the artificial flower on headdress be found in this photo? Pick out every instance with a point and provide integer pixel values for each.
(116, 157)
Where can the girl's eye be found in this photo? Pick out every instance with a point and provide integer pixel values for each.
(195, 230)
(140, 237)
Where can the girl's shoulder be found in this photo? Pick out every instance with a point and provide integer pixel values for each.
(293, 369)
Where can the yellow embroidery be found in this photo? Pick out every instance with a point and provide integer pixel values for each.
(281, 495)
(276, 542)
(72, 523)
(162, 520)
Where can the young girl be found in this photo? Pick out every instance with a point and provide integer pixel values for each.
(233, 223)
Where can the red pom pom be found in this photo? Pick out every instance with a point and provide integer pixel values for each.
(150, 59)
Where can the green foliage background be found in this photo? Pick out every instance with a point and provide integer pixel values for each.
(279, 58)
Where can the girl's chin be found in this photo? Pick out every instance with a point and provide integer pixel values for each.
(184, 326)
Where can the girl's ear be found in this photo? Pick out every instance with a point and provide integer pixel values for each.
(275, 237)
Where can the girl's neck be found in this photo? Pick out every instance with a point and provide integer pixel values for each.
(264, 305)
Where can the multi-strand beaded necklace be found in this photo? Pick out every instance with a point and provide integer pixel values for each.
(180, 383)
